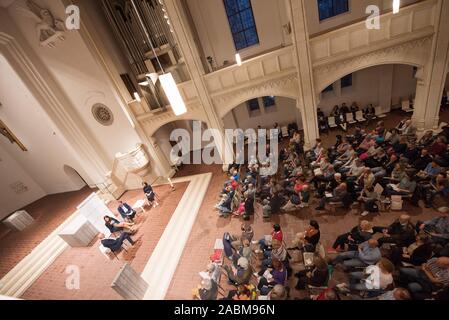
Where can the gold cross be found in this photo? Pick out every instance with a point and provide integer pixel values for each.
(4, 130)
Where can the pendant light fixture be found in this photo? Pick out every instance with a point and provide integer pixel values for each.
(396, 6)
(238, 59)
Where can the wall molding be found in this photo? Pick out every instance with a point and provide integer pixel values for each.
(56, 105)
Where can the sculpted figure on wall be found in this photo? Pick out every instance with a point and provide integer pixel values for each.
(49, 29)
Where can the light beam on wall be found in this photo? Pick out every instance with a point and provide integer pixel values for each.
(137, 97)
(172, 92)
(238, 59)
(396, 6)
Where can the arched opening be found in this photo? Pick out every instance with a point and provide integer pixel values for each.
(264, 112)
(162, 137)
(75, 177)
(385, 87)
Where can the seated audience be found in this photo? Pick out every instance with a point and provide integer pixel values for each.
(367, 254)
(359, 234)
(317, 277)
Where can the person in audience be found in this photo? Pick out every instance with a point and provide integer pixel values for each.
(208, 290)
(150, 194)
(359, 234)
(397, 294)
(338, 195)
(335, 111)
(278, 293)
(272, 277)
(354, 109)
(317, 277)
(126, 212)
(276, 234)
(428, 191)
(308, 239)
(433, 276)
(400, 147)
(418, 252)
(367, 254)
(409, 131)
(241, 274)
(426, 140)
(437, 228)
(373, 278)
(438, 147)
(401, 232)
(370, 200)
(247, 234)
(406, 187)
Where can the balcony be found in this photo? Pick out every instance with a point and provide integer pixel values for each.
(411, 23)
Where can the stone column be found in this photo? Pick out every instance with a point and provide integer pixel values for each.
(186, 43)
(385, 87)
(432, 77)
(307, 101)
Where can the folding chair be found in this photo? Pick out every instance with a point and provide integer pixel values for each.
(312, 290)
(359, 116)
(350, 118)
(331, 122)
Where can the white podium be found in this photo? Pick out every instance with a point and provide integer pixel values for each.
(79, 233)
(19, 220)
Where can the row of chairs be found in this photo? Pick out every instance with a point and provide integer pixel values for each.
(359, 118)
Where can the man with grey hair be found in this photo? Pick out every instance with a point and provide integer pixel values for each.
(437, 228)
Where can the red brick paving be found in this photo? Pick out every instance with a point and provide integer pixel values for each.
(96, 272)
(48, 212)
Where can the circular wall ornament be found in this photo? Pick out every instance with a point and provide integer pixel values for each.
(102, 114)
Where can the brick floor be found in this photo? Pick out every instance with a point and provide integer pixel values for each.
(96, 272)
(48, 212)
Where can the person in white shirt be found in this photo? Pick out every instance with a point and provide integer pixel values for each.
(374, 278)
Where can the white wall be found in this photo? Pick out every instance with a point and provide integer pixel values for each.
(215, 34)
(357, 12)
(47, 153)
(368, 87)
(82, 79)
(11, 172)
(284, 112)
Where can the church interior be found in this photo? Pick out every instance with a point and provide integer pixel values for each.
(139, 137)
